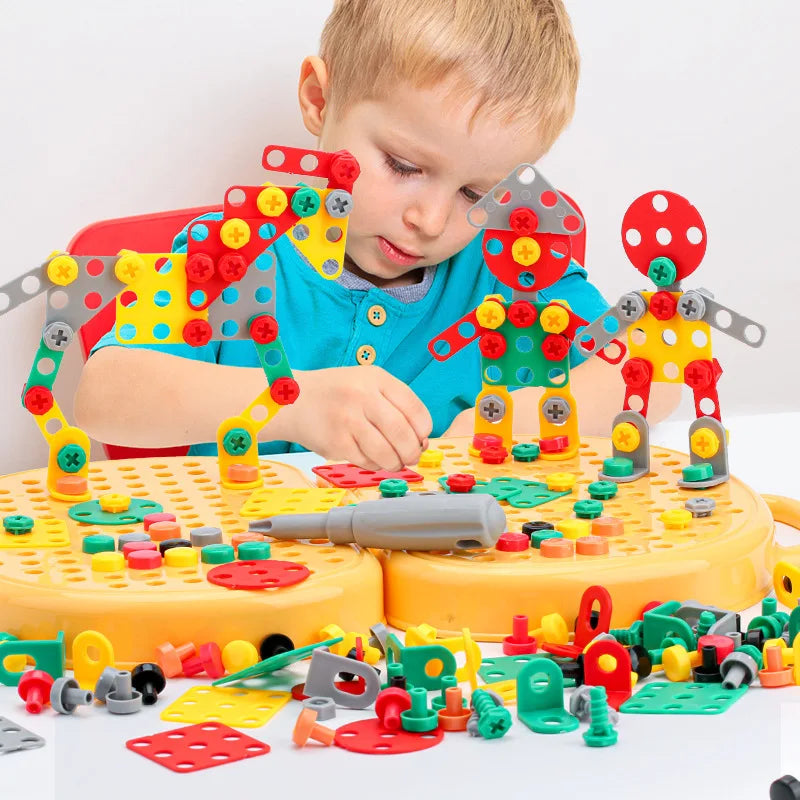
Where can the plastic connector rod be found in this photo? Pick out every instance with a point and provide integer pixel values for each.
(414, 522)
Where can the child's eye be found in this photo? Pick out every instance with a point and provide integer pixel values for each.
(473, 197)
(399, 168)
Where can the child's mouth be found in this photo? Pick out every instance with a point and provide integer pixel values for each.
(394, 253)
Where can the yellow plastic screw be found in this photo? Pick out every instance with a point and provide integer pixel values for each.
(234, 233)
(560, 481)
(430, 459)
(128, 267)
(526, 251)
(490, 314)
(704, 443)
(62, 270)
(272, 201)
(114, 503)
(676, 518)
(554, 319)
(625, 437)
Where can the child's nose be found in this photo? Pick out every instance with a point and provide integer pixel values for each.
(428, 215)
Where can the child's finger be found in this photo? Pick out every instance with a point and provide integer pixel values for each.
(396, 429)
(404, 399)
(376, 447)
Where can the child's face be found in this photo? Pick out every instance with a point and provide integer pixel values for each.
(422, 168)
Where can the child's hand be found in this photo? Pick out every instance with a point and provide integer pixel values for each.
(361, 415)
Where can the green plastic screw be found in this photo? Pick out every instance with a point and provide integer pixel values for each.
(618, 467)
(217, 554)
(602, 490)
(769, 605)
(71, 458)
(419, 718)
(662, 271)
(541, 536)
(697, 472)
(629, 636)
(254, 551)
(588, 509)
(305, 202)
(393, 487)
(601, 733)
(98, 543)
(493, 721)
(525, 452)
(237, 441)
(704, 623)
(18, 524)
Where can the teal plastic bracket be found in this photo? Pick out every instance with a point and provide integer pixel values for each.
(49, 655)
(540, 698)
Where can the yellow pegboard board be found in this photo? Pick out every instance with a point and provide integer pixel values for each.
(269, 501)
(720, 560)
(44, 590)
(234, 706)
(45, 533)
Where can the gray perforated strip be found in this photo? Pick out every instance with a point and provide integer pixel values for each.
(715, 316)
(630, 308)
(527, 186)
(15, 737)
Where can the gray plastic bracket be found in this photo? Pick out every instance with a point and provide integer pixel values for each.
(527, 186)
(716, 317)
(15, 737)
(640, 456)
(691, 610)
(719, 462)
(630, 308)
(322, 674)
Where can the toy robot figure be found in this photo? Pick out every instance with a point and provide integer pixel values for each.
(525, 342)
(223, 288)
(669, 339)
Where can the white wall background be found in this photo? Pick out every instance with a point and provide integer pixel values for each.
(111, 109)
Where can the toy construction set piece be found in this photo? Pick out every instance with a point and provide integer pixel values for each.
(14, 737)
(424, 521)
(171, 298)
(526, 245)
(669, 337)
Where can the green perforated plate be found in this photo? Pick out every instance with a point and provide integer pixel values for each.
(682, 698)
(91, 513)
(506, 668)
(517, 492)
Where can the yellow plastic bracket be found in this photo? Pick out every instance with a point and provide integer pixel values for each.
(86, 668)
(502, 427)
(64, 435)
(321, 244)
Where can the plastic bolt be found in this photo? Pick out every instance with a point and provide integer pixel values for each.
(389, 704)
(307, 728)
(520, 642)
(448, 682)
(419, 718)
(171, 659)
(454, 716)
(274, 644)
(601, 733)
(123, 698)
(707, 619)
(66, 695)
(34, 688)
(396, 678)
(775, 674)
(493, 719)
(708, 669)
(208, 660)
(148, 679)
(738, 668)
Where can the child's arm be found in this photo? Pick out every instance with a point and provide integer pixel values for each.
(599, 392)
(146, 398)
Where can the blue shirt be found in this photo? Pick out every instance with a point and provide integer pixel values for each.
(323, 324)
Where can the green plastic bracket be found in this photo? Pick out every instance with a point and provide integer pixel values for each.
(49, 655)
(274, 663)
(507, 668)
(415, 661)
(47, 378)
(540, 698)
(273, 360)
(91, 513)
(659, 624)
(682, 698)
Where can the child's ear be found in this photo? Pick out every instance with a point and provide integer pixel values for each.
(311, 92)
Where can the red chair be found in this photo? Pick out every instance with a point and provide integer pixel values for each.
(153, 233)
(148, 233)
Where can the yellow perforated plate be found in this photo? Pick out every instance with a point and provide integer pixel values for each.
(268, 501)
(234, 706)
(44, 590)
(45, 533)
(721, 559)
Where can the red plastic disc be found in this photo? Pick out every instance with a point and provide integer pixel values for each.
(196, 747)
(265, 574)
(370, 737)
(144, 559)
(513, 542)
(551, 265)
(664, 224)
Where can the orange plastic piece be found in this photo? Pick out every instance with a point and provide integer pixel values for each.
(160, 531)
(557, 548)
(242, 473)
(307, 728)
(453, 717)
(171, 659)
(591, 546)
(607, 526)
(248, 536)
(72, 485)
(775, 674)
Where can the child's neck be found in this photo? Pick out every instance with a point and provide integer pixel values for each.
(408, 279)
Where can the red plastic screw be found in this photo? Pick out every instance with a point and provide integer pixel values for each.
(284, 391)
(523, 221)
(34, 689)
(171, 659)
(389, 704)
(232, 267)
(663, 306)
(199, 267)
(492, 344)
(636, 372)
(521, 314)
(208, 659)
(494, 455)
(460, 482)
(483, 440)
(553, 444)
(344, 168)
(264, 329)
(38, 400)
(197, 332)
(513, 542)
(555, 347)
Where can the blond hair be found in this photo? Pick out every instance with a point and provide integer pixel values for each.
(518, 56)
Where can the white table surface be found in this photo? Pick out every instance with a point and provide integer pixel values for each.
(733, 755)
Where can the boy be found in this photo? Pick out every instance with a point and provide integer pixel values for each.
(438, 102)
